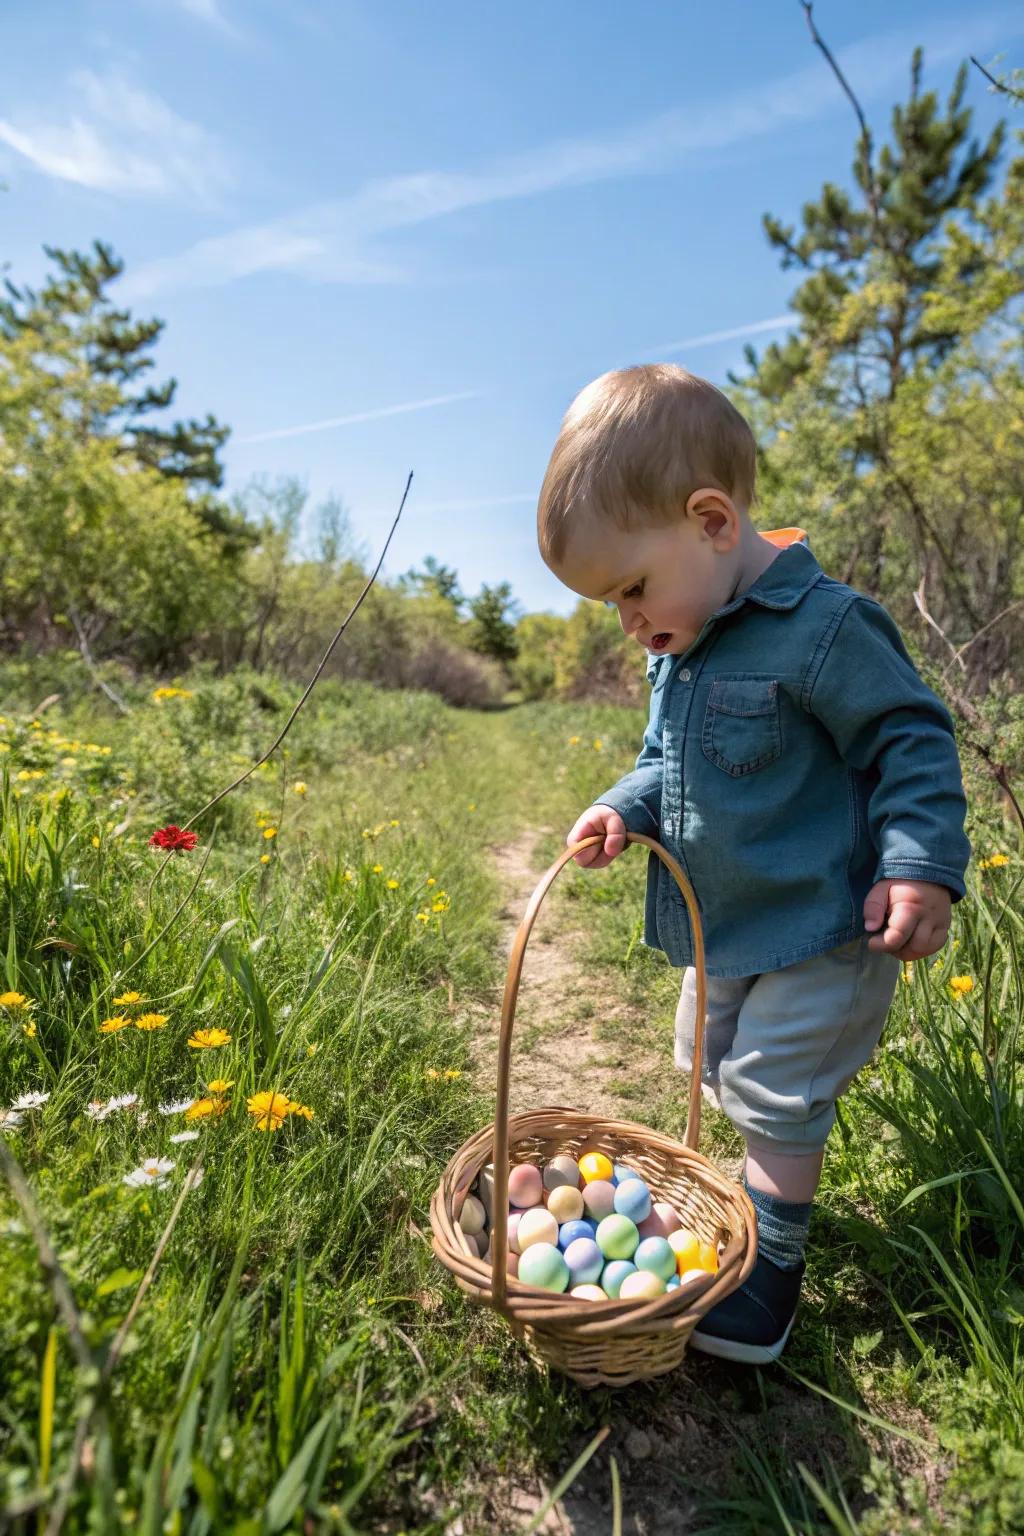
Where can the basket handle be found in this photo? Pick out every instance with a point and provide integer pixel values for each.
(499, 1233)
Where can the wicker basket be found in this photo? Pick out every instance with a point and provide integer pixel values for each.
(597, 1343)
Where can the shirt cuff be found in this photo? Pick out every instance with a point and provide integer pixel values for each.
(911, 869)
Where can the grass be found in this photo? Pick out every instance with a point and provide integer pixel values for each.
(300, 1361)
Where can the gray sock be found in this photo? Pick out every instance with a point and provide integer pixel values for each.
(781, 1227)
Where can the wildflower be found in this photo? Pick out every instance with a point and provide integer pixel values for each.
(431, 880)
(301, 1109)
(392, 885)
(149, 1021)
(127, 998)
(173, 840)
(220, 1085)
(202, 1108)
(348, 875)
(997, 861)
(908, 971)
(378, 869)
(264, 858)
(471, 806)
(598, 744)
(451, 1073)
(298, 788)
(29, 1030)
(30, 1101)
(112, 1025)
(181, 1136)
(13, 1000)
(160, 694)
(97, 1110)
(206, 1039)
(432, 1072)
(269, 832)
(268, 1110)
(574, 741)
(312, 1047)
(153, 1172)
(961, 985)
(176, 1107)
(394, 823)
(423, 917)
(440, 906)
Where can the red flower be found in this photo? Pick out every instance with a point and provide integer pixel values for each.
(174, 840)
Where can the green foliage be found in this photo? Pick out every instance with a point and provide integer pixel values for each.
(492, 631)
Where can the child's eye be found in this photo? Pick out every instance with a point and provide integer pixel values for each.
(637, 590)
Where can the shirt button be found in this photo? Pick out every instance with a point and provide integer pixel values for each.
(685, 674)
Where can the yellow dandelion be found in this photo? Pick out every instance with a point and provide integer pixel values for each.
(29, 1030)
(574, 741)
(127, 998)
(269, 832)
(202, 1109)
(598, 744)
(13, 1000)
(997, 861)
(392, 885)
(378, 869)
(112, 1025)
(961, 985)
(220, 1085)
(432, 1072)
(393, 823)
(301, 1109)
(348, 875)
(206, 1039)
(423, 917)
(451, 1073)
(148, 1021)
(264, 858)
(95, 841)
(312, 1047)
(268, 1110)
(299, 788)
(431, 880)
(908, 971)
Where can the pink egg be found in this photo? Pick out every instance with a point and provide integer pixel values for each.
(513, 1229)
(513, 1265)
(525, 1186)
(662, 1220)
(599, 1198)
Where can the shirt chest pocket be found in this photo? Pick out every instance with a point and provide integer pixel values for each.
(742, 730)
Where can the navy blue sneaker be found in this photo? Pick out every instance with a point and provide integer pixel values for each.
(752, 1325)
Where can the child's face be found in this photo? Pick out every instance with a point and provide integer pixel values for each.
(665, 582)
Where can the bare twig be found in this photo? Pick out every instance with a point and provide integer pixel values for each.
(87, 656)
(1000, 85)
(958, 653)
(919, 604)
(866, 144)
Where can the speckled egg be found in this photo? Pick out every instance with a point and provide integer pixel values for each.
(562, 1169)
(536, 1226)
(594, 1165)
(655, 1255)
(633, 1199)
(585, 1261)
(542, 1264)
(614, 1273)
(617, 1237)
(641, 1286)
(599, 1198)
(588, 1293)
(565, 1203)
(525, 1186)
(571, 1230)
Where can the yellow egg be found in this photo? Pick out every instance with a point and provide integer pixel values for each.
(565, 1203)
(641, 1285)
(589, 1293)
(594, 1165)
(707, 1258)
(686, 1247)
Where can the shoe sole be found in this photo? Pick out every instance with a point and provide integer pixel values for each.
(737, 1351)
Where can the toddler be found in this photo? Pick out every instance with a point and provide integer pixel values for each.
(794, 763)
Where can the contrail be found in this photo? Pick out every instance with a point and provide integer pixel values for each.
(348, 421)
(776, 323)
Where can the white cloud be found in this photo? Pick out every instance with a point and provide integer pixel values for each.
(346, 421)
(338, 240)
(712, 338)
(121, 139)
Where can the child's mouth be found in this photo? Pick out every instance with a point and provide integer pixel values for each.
(659, 641)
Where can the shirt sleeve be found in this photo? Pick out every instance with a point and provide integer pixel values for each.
(637, 796)
(885, 721)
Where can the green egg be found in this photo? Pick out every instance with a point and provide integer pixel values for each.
(617, 1237)
(542, 1264)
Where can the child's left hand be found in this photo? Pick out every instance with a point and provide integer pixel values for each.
(908, 918)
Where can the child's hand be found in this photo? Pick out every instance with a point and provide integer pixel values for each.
(909, 918)
(599, 818)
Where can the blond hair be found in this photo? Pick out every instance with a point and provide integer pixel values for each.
(633, 447)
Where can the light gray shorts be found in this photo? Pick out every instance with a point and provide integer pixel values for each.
(780, 1048)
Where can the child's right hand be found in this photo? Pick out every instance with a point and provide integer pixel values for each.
(599, 819)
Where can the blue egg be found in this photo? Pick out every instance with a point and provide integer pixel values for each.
(570, 1231)
(585, 1260)
(655, 1254)
(673, 1284)
(633, 1199)
(613, 1274)
(622, 1173)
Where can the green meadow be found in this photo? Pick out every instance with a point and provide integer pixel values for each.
(266, 1038)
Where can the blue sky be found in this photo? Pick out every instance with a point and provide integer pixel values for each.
(427, 226)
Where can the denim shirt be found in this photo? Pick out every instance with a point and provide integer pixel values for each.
(793, 757)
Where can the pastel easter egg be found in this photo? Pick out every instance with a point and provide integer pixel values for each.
(484, 1190)
(571, 1230)
(621, 1172)
(662, 1220)
(686, 1247)
(633, 1199)
(641, 1285)
(673, 1284)
(614, 1273)
(473, 1216)
(599, 1198)
(565, 1203)
(536, 1226)
(655, 1255)
(512, 1265)
(692, 1274)
(561, 1170)
(588, 1293)
(617, 1237)
(542, 1264)
(525, 1186)
(594, 1165)
(513, 1231)
(707, 1258)
(585, 1261)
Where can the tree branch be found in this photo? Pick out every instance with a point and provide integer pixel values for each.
(866, 144)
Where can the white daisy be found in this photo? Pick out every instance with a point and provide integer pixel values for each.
(152, 1173)
(177, 1107)
(30, 1101)
(186, 1136)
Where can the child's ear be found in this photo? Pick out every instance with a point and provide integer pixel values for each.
(717, 515)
